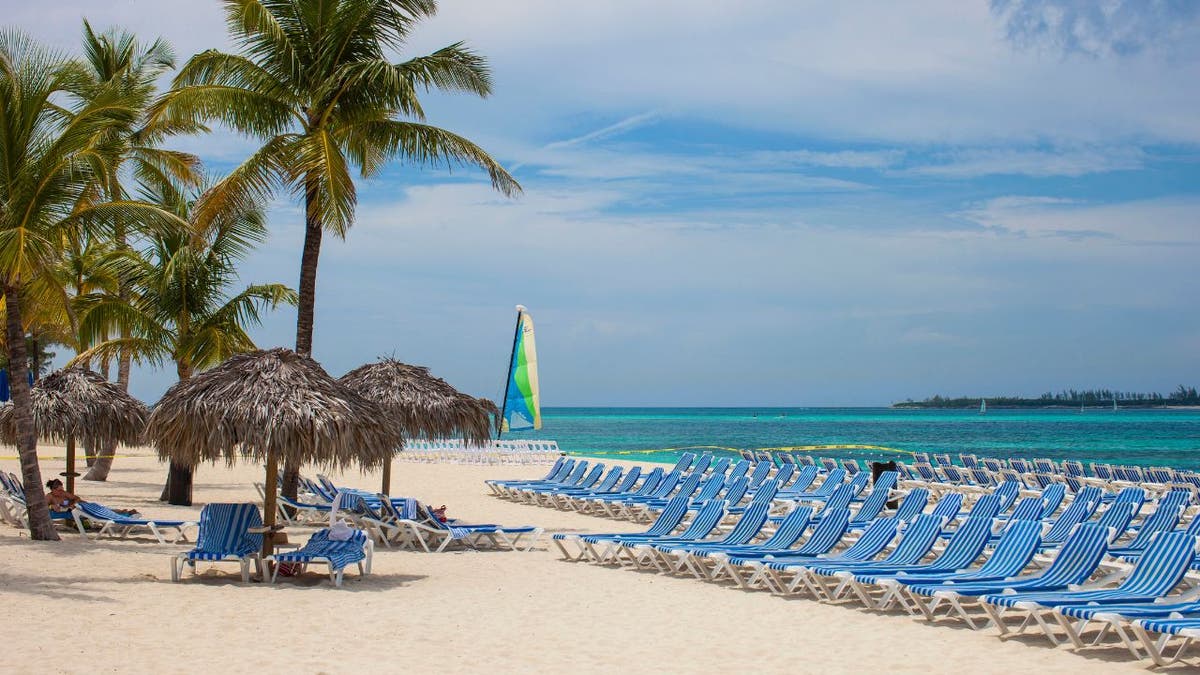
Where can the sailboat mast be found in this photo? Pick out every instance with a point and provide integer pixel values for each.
(508, 379)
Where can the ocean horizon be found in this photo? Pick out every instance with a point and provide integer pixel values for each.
(1143, 437)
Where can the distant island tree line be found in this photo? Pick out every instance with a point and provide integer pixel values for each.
(1067, 398)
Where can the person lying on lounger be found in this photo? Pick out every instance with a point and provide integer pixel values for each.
(58, 499)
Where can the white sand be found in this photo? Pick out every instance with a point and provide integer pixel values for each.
(111, 607)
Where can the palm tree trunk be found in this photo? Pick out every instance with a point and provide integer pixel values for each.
(306, 308)
(178, 490)
(40, 527)
(107, 452)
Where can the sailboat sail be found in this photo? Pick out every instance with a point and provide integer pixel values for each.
(982, 406)
(522, 400)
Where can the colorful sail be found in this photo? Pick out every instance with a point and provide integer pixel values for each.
(522, 403)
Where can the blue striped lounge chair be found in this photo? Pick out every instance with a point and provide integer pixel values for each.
(832, 481)
(562, 499)
(598, 504)
(851, 466)
(1053, 497)
(789, 532)
(117, 525)
(963, 549)
(983, 477)
(825, 537)
(873, 541)
(927, 473)
(828, 463)
(1162, 520)
(696, 487)
(643, 553)
(876, 501)
(805, 460)
(670, 519)
(678, 557)
(746, 454)
(1102, 471)
(818, 576)
(1116, 617)
(1154, 575)
(921, 457)
(336, 554)
(1185, 627)
(1044, 465)
(969, 461)
(540, 496)
(1074, 468)
(912, 505)
(224, 535)
(805, 477)
(1075, 563)
(429, 532)
(992, 464)
(495, 485)
(955, 476)
(943, 460)
(504, 488)
(1012, 553)
(614, 506)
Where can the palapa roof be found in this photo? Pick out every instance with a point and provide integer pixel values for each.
(76, 402)
(421, 405)
(272, 400)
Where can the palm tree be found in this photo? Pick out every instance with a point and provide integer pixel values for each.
(116, 59)
(180, 311)
(50, 155)
(313, 82)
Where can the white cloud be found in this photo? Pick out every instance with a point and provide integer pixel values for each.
(976, 162)
(1174, 221)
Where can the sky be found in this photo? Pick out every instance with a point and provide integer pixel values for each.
(770, 202)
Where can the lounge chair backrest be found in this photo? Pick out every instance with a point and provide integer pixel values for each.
(1044, 466)
(1007, 492)
(851, 466)
(1015, 549)
(765, 492)
(327, 484)
(804, 479)
(760, 473)
(987, 506)
(875, 502)
(1162, 566)
(630, 479)
(720, 466)
(954, 475)
(737, 491)
(828, 463)
(948, 506)
(840, 499)
(1052, 498)
(701, 487)
(966, 544)
(685, 460)
(859, 482)
(786, 457)
(223, 529)
(1019, 465)
(943, 460)
(707, 518)
(1117, 518)
(968, 461)
(746, 454)
(667, 485)
(920, 457)
(993, 465)
(805, 460)
(828, 532)
(1073, 468)
(832, 481)
(1102, 471)
(564, 470)
(591, 477)
(982, 477)
(99, 511)
(790, 530)
(672, 514)
(926, 472)
(1080, 556)
(1175, 498)
(912, 505)
(1162, 520)
(650, 482)
(1076, 512)
(702, 464)
(1029, 508)
(554, 468)
(576, 473)
(610, 480)
(916, 540)
(874, 539)
(749, 525)
(1133, 494)
(784, 474)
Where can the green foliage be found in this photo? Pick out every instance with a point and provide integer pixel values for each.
(1067, 398)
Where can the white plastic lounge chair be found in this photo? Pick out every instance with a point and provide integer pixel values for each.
(224, 535)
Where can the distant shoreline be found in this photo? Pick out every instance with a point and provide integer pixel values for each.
(1132, 405)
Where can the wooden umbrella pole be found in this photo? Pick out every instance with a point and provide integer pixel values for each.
(387, 477)
(269, 507)
(71, 464)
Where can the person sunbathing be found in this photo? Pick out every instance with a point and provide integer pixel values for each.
(58, 499)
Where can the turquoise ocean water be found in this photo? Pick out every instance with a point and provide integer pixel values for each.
(1143, 437)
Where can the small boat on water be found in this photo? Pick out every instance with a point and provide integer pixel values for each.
(522, 400)
(983, 406)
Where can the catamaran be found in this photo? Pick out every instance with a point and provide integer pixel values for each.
(522, 400)
(983, 406)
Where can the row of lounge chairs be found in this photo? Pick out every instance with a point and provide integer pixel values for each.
(502, 451)
(88, 516)
(1117, 562)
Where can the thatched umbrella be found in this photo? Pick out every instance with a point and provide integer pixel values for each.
(75, 403)
(420, 405)
(266, 406)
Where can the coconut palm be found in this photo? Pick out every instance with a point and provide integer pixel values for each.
(180, 311)
(312, 81)
(52, 151)
(117, 59)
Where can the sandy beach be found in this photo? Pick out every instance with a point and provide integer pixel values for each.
(110, 606)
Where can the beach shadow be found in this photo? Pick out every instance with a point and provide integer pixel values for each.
(65, 588)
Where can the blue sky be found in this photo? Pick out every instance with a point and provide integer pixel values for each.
(770, 202)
